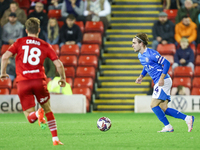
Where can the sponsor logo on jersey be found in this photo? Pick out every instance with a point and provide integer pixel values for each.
(147, 59)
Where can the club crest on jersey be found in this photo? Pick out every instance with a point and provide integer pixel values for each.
(147, 59)
(157, 56)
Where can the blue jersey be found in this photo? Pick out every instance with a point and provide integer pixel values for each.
(152, 62)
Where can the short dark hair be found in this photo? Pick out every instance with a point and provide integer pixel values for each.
(13, 2)
(71, 16)
(142, 37)
(185, 16)
(32, 25)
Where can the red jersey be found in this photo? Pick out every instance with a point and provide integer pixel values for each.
(31, 53)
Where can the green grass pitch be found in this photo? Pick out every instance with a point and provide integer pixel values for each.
(129, 131)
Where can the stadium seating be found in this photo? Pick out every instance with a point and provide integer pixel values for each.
(70, 81)
(92, 38)
(196, 82)
(69, 60)
(168, 49)
(183, 71)
(69, 50)
(197, 60)
(60, 24)
(84, 91)
(81, 25)
(171, 13)
(56, 49)
(184, 81)
(198, 49)
(92, 27)
(23, 3)
(4, 91)
(54, 13)
(170, 72)
(32, 10)
(83, 82)
(170, 58)
(13, 91)
(197, 71)
(195, 91)
(70, 72)
(90, 60)
(193, 47)
(86, 72)
(6, 83)
(4, 48)
(90, 49)
(14, 85)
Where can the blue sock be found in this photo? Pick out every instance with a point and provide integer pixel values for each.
(175, 113)
(160, 114)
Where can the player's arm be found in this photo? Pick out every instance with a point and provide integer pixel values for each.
(61, 71)
(166, 65)
(4, 63)
(142, 75)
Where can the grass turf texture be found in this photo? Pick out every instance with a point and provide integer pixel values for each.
(129, 131)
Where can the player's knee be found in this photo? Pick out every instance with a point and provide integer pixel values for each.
(30, 120)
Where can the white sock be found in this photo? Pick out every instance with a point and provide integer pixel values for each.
(55, 138)
(36, 114)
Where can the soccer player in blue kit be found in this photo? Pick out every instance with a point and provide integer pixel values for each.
(157, 67)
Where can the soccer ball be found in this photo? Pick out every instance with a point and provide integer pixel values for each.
(103, 123)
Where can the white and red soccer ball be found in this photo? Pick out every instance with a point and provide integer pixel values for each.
(104, 123)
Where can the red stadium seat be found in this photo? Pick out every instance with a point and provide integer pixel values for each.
(170, 72)
(81, 25)
(86, 72)
(195, 91)
(168, 49)
(54, 13)
(6, 83)
(196, 82)
(60, 24)
(170, 58)
(4, 48)
(90, 61)
(183, 71)
(197, 71)
(184, 81)
(13, 91)
(197, 60)
(83, 82)
(69, 60)
(84, 91)
(56, 49)
(198, 49)
(171, 13)
(32, 10)
(70, 50)
(70, 72)
(92, 27)
(14, 85)
(193, 47)
(23, 3)
(70, 81)
(92, 38)
(4, 91)
(90, 49)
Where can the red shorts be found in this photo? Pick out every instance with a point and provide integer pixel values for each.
(27, 89)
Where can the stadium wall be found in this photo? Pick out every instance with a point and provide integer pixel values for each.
(59, 103)
(181, 103)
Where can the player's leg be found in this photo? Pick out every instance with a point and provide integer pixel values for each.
(177, 114)
(43, 97)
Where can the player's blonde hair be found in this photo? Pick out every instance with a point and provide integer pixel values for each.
(32, 25)
(142, 37)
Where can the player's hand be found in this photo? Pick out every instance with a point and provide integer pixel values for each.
(138, 80)
(4, 76)
(62, 82)
(161, 82)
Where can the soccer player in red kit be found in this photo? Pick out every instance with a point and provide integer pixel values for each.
(31, 79)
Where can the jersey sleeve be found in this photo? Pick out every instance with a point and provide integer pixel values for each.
(157, 58)
(13, 47)
(51, 53)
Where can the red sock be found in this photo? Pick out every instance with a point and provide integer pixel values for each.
(32, 117)
(51, 123)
